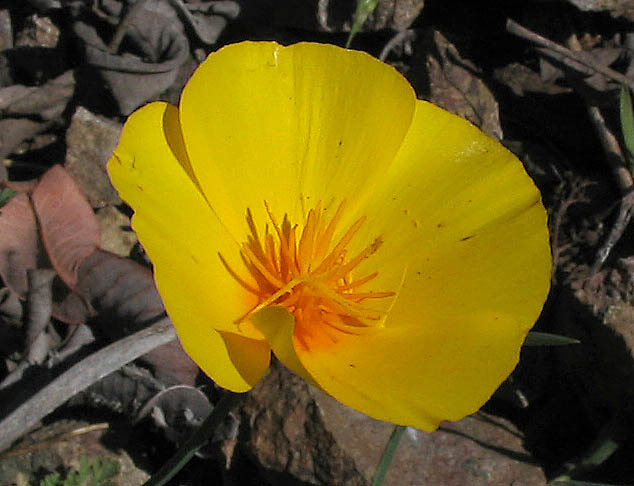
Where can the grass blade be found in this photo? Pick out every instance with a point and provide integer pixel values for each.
(388, 455)
(361, 14)
(195, 442)
(547, 339)
(627, 122)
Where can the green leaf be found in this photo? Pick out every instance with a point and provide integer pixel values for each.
(5, 195)
(103, 471)
(74, 478)
(607, 442)
(546, 339)
(99, 472)
(627, 122)
(361, 14)
(53, 479)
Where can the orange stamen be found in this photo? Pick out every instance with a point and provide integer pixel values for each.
(303, 271)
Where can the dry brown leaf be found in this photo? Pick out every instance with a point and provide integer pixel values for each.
(160, 48)
(68, 225)
(122, 292)
(455, 85)
(19, 248)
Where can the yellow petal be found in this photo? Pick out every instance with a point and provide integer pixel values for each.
(459, 215)
(277, 324)
(465, 246)
(291, 125)
(415, 377)
(176, 226)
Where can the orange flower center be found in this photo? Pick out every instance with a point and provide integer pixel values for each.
(308, 273)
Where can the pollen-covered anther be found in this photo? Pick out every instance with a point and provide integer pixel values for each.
(308, 273)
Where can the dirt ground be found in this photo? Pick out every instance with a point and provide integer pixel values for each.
(547, 78)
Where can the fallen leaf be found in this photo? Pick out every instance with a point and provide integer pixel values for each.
(19, 247)
(46, 102)
(597, 89)
(68, 225)
(124, 296)
(159, 49)
(522, 80)
(121, 289)
(455, 84)
(179, 410)
(206, 20)
(14, 131)
(171, 365)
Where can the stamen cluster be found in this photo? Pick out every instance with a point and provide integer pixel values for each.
(308, 274)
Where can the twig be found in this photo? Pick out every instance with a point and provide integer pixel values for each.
(616, 160)
(57, 438)
(39, 307)
(182, 10)
(618, 228)
(520, 31)
(612, 149)
(123, 27)
(82, 375)
(322, 15)
(80, 336)
(400, 37)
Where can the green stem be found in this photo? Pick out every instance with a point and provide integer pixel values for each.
(195, 442)
(388, 455)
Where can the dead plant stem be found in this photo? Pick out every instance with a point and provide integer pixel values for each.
(520, 31)
(81, 376)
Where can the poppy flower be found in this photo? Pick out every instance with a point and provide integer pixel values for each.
(301, 200)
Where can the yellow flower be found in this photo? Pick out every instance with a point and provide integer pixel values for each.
(301, 200)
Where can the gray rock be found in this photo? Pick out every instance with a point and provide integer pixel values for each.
(616, 8)
(39, 31)
(6, 30)
(90, 140)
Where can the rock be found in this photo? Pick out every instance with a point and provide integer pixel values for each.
(39, 31)
(6, 30)
(282, 432)
(116, 234)
(296, 430)
(480, 449)
(616, 8)
(90, 140)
